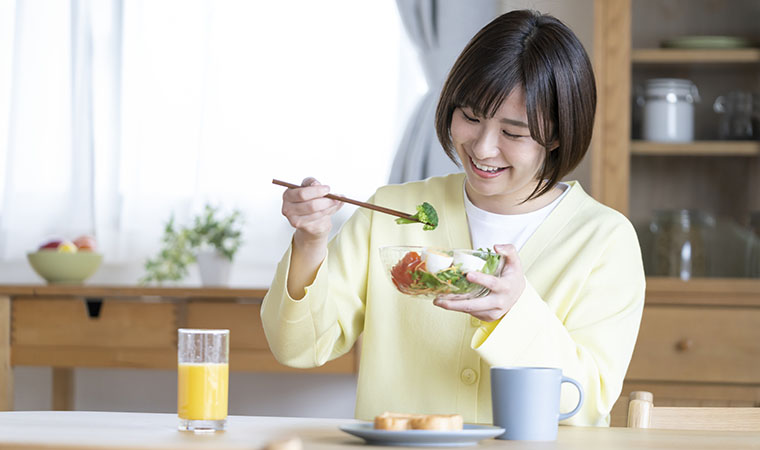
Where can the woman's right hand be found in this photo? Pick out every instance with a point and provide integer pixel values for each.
(309, 212)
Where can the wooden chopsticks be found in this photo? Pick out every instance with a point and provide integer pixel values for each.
(381, 209)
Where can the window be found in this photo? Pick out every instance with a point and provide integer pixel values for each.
(173, 104)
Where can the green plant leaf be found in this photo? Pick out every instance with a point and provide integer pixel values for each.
(210, 229)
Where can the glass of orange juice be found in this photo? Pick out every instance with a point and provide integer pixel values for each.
(202, 379)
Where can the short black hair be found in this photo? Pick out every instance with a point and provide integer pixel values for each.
(536, 52)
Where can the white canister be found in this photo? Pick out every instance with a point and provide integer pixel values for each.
(669, 110)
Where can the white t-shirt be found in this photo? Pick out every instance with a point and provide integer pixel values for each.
(488, 229)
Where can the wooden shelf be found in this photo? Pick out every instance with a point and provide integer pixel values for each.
(697, 148)
(690, 56)
(703, 291)
(101, 291)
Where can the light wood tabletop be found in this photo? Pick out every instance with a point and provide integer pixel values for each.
(111, 430)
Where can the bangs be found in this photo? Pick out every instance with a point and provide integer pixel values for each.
(485, 92)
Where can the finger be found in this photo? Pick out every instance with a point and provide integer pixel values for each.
(310, 181)
(483, 279)
(329, 212)
(316, 222)
(477, 310)
(333, 209)
(467, 306)
(453, 296)
(302, 218)
(304, 194)
(308, 207)
(509, 251)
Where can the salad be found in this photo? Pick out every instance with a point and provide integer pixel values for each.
(435, 272)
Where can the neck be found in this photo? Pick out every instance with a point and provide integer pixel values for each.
(512, 202)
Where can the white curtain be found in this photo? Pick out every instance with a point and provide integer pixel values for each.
(439, 30)
(114, 114)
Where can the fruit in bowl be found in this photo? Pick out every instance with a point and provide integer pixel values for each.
(62, 261)
(85, 243)
(429, 272)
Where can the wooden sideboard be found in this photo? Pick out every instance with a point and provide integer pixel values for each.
(65, 327)
(699, 345)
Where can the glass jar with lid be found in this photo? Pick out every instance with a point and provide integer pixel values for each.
(668, 114)
(681, 242)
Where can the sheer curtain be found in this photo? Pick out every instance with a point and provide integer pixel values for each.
(115, 115)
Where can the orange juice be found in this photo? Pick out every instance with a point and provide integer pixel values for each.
(202, 391)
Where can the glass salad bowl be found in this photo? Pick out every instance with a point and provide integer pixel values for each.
(430, 272)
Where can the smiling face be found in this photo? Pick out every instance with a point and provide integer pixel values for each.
(500, 158)
(543, 67)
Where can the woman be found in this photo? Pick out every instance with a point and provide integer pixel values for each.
(517, 112)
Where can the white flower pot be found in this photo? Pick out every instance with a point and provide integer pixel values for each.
(214, 268)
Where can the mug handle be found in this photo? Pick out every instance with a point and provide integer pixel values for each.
(564, 416)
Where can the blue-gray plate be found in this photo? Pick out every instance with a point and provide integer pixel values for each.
(470, 435)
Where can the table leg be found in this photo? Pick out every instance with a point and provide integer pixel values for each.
(6, 371)
(63, 389)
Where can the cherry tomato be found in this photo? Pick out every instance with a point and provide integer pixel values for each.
(401, 273)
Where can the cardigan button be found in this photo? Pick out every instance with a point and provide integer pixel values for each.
(474, 321)
(469, 376)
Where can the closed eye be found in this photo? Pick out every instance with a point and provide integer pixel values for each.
(468, 118)
(510, 135)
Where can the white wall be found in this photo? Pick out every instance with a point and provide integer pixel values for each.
(296, 394)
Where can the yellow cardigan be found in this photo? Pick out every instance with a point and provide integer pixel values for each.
(580, 311)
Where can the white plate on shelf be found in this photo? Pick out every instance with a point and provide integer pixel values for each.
(470, 435)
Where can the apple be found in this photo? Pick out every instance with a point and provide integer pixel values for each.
(67, 247)
(50, 245)
(85, 243)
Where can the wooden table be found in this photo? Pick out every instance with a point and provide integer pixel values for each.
(109, 430)
(65, 327)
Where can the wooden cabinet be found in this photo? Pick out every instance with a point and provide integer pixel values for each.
(636, 177)
(698, 343)
(66, 327)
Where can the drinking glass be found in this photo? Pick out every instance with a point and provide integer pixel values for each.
(202, 379)
(739, 111)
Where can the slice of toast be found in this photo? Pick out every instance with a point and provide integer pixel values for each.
(393, 421)
(399, 421)
(440, 422)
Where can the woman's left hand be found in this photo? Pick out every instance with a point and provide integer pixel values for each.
(505, 290)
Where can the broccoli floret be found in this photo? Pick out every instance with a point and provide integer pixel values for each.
(425, 214)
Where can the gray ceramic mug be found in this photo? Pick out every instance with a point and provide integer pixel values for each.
(525, 401)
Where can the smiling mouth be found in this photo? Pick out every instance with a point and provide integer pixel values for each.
(490, 170)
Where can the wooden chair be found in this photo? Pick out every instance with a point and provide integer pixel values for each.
(643, 414)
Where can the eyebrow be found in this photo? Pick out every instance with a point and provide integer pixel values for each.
(514, 122)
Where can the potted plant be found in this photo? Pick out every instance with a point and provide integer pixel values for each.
(211, 241)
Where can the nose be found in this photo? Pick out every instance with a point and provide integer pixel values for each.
(486, 144)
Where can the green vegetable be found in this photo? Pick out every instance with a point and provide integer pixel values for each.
(425, 214)
(492, 262)
(453, 280)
